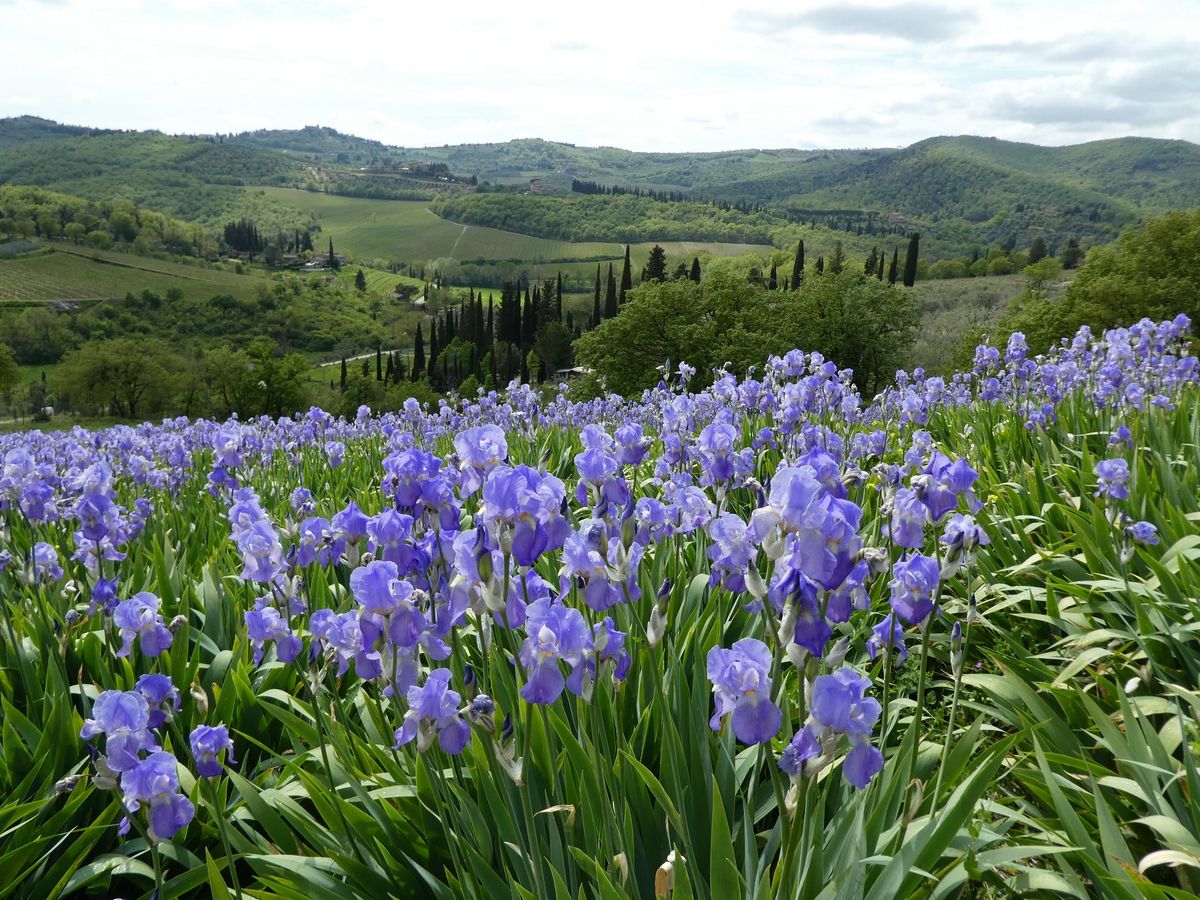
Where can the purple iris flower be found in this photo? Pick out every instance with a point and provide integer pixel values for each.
(335, 452)
(262, 553)
(265, 624)
(45, 563)
(839, 707)
(716, 443)
(522, 509)
(208, 742)
(632, 446)
(887, 633)
(741, 678)
(154, 783)
(1143, 533)
(479, 450)
(161, 695)
(139, 617)
(1113, 479)
(909, 516)
(914, 580)
(607, 644)
(732, 552)
(123, 717)
(338, 633)
(104, 595)
(944, 483)
(556, 633)
(434, 710)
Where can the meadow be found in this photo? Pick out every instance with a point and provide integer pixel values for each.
(764, 640)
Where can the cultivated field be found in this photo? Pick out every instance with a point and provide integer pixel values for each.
(71, 273)
(406, 230)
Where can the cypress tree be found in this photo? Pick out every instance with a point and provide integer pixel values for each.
(558, 300)
(360, 281)
(418, 354)
(332, 259)
(389, 375)
(893, 269)
(491, 332)
(343, 374)
(1037, 250)
(773, 279)
(872, 260)
(529, 332)
(820, 265)
(695, 273)
(378, 364)
(596, 299)
(610, 295)
(798, 267)
(434, 349)
(626, 278)
(880, 263)
(656, 265)
(837, 259)
(910, 260)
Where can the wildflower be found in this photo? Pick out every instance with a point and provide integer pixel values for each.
(741, 678)
(45, 563)
(909, 515)
(434, 711)
(139, 617)
(208, 742)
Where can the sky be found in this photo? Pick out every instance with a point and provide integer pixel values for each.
(649, 75)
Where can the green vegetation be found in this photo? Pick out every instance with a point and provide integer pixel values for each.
(1152, 271)
(858, 322)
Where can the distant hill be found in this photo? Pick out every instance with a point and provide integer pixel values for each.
(962, 192)
(29, 129)
(318, 144)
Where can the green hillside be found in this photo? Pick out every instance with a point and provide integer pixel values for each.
(19, 130)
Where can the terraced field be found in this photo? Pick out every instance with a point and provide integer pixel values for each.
(406, 230)
(72, 273)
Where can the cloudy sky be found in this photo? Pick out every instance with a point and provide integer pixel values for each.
(642, 75)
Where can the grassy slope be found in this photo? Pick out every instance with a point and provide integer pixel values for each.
(65, 272)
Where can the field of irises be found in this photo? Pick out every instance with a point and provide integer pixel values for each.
(767, 639)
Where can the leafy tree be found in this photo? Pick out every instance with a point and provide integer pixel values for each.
(10, 375)
(656, 265)
(553, 347)
(123, 377)
(1040, 274)
(1037, 250)
(857, 322)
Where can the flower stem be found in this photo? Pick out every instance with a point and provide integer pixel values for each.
(219, 814)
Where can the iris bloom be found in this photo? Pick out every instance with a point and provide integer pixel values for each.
(434, 710)
(741, 679)
(138, 617)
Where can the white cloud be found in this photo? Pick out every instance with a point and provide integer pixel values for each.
(648, 76)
